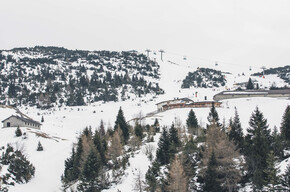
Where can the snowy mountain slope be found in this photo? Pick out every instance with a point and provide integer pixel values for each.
(53, 76)
(66, 123)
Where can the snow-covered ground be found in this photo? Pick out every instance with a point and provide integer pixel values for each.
(64, 124)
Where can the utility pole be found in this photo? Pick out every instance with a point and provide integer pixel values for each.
(148, 51)
(161, 52)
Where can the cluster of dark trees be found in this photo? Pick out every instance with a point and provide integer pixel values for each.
(20, 170)
(92, 157)
(59, 76)
(218, 158)
(282, 72)
(204, 77)
(227, 160)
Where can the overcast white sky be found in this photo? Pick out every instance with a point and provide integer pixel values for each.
(248, 32)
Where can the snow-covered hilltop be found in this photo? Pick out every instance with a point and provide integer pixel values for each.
(53, 76)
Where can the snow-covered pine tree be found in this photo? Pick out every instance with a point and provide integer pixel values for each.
(285, 179)
(20, 168)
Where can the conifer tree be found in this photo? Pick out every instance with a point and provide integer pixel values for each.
(98, 142)
(39, 147)
(69, 169)
(174, 142)
(285, 179)
(162, 153)
(102, 129)
(250, 84)
(257, 147)
(77, 158)
(277, 143)
(90, 173)
(211, 183)
(42, 119)
(121, 122)
(213, 115)
(271, 172)
(21, 169)
(285, 126)
(173, 136)
(18, 132)
(115, 149)
(178, 180)
(191, 122)
(151, 177)
(190, 150)
(236, 132)
(156, 125)
(227, 156)
(138, 130)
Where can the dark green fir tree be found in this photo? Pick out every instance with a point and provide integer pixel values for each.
(18, 132)
(99, 142)
(213, 116)
(285, 126)
(21, 169)
(162, 153)
(257, 147)
(90, 173)
(121, 122)
(39, 147)
(211, 183)
(236, 132)
(271, 172)
(191, 122)
(250, 84)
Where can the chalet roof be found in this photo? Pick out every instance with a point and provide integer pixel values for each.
(23, 119)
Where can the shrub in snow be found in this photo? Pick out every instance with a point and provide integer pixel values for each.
(20, 170)
(39, 147)
(18, 132)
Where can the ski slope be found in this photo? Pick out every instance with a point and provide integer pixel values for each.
(63, 125)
